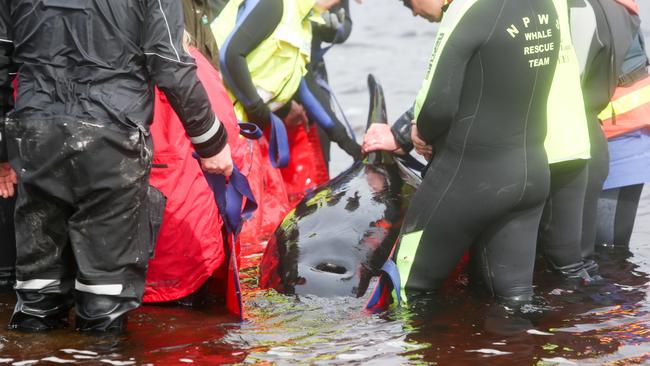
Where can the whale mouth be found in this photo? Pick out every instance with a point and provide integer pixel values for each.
(331, 268)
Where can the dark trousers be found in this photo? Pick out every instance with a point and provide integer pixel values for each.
(82, 217)
(560, 230)
(7, 241)
(616, 214)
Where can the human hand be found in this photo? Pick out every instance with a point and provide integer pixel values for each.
(8, 179)
(380, 137)
(420, 146)
(296, 116)
(220, 163)
(326, 4)
(334, 20)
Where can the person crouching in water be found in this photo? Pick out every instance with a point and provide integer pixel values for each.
(265, 49)
(79, 140)
(483, 109)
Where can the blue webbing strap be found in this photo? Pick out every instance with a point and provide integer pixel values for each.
(250, 130)
(279, 143)
(390, 269)
(314, 109)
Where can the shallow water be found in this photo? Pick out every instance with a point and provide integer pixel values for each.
(608, 324)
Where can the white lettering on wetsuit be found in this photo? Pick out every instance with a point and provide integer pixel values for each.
(536, 35)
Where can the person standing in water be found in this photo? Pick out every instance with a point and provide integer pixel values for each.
(483, 109)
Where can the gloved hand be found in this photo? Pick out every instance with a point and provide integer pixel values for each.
(340, 136)
(334, 20)
(259, 114)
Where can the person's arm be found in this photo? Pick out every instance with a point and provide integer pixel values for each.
(257, 25)
(339, 34)
(459, 36)
(174, 71)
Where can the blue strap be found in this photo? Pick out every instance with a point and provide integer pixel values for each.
(323, 84)
(279, 143)
(229, 197)
(390, 268)
(314, 109)
(250, 130)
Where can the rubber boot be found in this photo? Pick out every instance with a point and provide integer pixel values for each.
(102, 313)
(36, 312)
(578, 274)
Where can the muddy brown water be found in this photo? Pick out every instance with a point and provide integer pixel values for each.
(608, 324)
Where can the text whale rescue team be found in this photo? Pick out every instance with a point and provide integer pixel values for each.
(536, 35)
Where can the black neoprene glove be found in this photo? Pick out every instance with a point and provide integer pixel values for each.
(259, 114)
(346, 143)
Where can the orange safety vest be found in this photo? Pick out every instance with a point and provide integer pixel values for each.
(629, 109)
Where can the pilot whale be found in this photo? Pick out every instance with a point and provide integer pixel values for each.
(339, 235)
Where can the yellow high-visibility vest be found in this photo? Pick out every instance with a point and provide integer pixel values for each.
(278, 63)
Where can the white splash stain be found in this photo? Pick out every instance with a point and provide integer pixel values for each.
(352, 356)
(117, 363)
(537, 332)
(489, 351)
(57, 360)
(6, 360)
(499, 343)
(280, 351)
(71, 350)
(84, 357)
(25, 363)
(560, 360)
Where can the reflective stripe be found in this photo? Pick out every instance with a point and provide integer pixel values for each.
(114, 290)
(37, 284)
(169, 32)
(627, 102)
(168, 58)
(405, 257)
(207, 135)
(5, 40)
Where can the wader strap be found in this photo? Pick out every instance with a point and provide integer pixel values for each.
(278, 143)
(313, 107)
(250, 130)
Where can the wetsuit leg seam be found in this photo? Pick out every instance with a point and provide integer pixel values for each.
(525, 134)
(462, 154)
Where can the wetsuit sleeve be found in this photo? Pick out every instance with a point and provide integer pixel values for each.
(467, 27)
(401, 130)
(6, 72)
(329, 35)
(174, 71)
(258, 25)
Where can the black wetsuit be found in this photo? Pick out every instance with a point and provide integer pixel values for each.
(317, 74)
(78, 139)
(485, 111)
(603, 43)
(258, 25)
